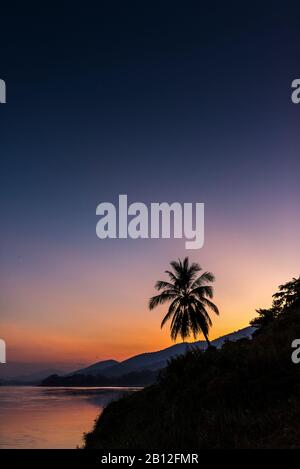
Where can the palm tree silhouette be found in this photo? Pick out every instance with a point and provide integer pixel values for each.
(189, 295)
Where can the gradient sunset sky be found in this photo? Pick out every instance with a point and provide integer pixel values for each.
(161, 101)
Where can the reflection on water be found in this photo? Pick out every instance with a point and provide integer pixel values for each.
(35, 417)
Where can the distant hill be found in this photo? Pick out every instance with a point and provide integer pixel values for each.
(33, 378)
(95, 368)
(244, 333)
(29, 371)
(157, 360)
(137, 370)
(135, 379)
(154, 361)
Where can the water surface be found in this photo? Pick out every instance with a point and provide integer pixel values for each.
(40, 417)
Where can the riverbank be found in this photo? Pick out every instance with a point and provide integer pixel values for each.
(245, 395)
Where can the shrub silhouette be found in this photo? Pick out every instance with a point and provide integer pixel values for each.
(245, 395)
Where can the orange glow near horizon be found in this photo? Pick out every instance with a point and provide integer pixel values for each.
(89, 309)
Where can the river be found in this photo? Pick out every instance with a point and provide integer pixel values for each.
(42, 417)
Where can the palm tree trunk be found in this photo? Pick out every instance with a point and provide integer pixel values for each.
(207, 340)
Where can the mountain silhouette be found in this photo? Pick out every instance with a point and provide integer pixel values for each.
(156, 360)
(95, 368)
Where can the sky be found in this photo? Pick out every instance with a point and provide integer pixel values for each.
(162, 101)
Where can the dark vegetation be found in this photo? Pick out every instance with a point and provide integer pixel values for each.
(135, 378)
(245, 395)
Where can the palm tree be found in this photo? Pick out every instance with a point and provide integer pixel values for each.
(190, 296)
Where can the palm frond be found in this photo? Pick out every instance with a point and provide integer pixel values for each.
(172, 277)
(205, 277)
(177, 267)
(211, 305)
(161, 284)
(201, 311)
(180, 325)
(172, 308)
(160, 299)
(194, 323)
(205, 290)
(194, 269)
(185, 264)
